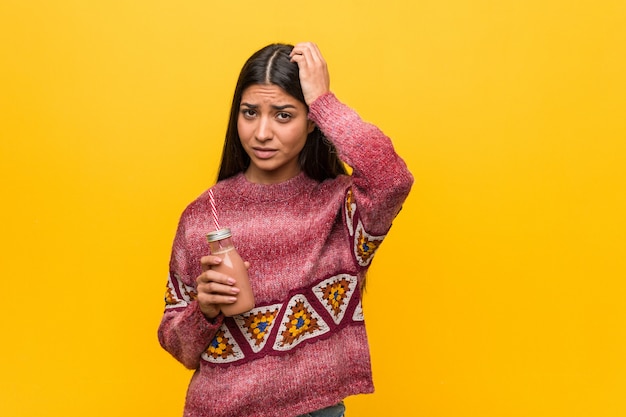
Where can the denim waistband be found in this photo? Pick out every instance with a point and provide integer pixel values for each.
(332, 411)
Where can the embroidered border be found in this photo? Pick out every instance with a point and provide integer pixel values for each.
(365, 245)
(177, 294)
(310, 314)
(257, 325)
(300, 322)
(358, 313)
(350, 207)
(335, 293)
(223, 348)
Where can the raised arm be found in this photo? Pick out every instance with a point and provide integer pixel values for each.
(381, 180)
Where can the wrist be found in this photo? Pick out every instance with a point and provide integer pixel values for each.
(311, 98)
(210, 313)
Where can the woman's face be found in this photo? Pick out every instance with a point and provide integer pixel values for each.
(273, 127)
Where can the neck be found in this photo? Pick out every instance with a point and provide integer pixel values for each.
(264, 177)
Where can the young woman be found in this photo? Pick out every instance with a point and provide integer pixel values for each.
(308, 231)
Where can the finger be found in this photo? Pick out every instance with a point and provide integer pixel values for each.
(301, 46)
(306, 63)
(208, 299)
(217, 288)
(210, 260)
(310, 51)
(307, 55)
(297, 49)
(214, 276)
(212, 293)
(301, 53)
(298, 58)
(315, 53)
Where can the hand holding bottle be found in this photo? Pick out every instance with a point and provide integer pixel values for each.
(214, 288)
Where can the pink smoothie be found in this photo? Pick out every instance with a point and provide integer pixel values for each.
(233, 266)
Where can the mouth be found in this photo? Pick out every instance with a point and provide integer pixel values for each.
(264, 153)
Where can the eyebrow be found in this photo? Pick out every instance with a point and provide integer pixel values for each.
(275, 107)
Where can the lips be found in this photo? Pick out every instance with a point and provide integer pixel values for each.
(264, 153)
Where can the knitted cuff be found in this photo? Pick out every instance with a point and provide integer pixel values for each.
(201, 322)
(320, 108)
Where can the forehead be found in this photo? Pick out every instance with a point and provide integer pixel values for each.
(266, 93)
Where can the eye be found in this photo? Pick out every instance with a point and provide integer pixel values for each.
(248, 113)
(283, 116)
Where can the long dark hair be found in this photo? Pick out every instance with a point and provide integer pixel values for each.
(272, 65)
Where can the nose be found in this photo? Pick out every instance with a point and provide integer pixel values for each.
(263, 130)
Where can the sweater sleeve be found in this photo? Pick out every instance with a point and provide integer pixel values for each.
(184, 331)
(381, 180)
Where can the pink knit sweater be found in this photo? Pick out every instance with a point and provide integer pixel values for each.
(304, 346)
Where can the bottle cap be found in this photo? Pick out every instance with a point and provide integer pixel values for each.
(219, 234)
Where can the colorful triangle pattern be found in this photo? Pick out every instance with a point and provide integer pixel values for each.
(358, 313)
(335, 293)
(300, 322)
(350, 207)
(256, 325)
(365, 245)
(223, 348)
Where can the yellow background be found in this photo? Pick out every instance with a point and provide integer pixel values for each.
(500, 290)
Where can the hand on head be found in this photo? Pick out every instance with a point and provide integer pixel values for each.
(314, 77)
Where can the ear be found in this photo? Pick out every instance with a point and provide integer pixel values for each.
(311, 126)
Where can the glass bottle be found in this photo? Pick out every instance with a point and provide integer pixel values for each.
(221, 244)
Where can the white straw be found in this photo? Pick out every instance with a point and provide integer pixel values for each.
(214, 210)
